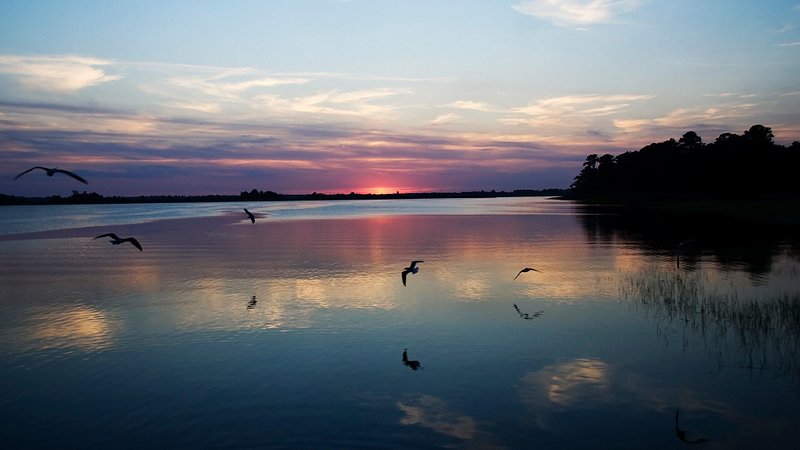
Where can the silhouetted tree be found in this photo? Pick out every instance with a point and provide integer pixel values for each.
(759, 135)
(690, 140)
(734, 163)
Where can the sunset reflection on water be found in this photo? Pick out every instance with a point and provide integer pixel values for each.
(289, 324)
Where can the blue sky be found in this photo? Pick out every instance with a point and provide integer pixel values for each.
(190, 97)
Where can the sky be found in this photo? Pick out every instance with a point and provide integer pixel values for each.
(298, 96)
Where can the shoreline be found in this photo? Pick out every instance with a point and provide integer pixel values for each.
(84, 198)
(772, 209)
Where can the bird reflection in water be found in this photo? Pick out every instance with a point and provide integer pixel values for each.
(681, 434)
(252, 303)
(683, 246)
(413, 364)
(527, 316)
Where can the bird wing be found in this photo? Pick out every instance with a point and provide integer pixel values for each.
(518, 274)
(250, 215)
(111, 235)
(73, 175)
(134, 242)
(413, 264)
(404, 274)
(32, 168)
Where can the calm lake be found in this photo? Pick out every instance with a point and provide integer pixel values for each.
(288, 333)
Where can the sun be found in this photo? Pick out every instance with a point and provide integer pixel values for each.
(381, 190)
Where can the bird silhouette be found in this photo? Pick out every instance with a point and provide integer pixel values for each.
(250, 215)
(252, 303)
(527, 316)
(681, 434)
(53, 171)
(413, 364)
(410, 269)
(116, 240)
(527, 269)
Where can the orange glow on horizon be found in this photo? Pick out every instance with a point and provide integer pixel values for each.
(381, 190)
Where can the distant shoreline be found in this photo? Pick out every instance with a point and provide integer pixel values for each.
(775, 209)
(84, 198)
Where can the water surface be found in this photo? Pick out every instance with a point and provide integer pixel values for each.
(104, 346)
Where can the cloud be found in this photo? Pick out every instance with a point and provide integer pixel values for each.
(575, 110)
(568, 13)
(682, 118)
(444, 119)
(789, 44)
(56, 73)
(343, 103)
(222, 87)
(475, 106)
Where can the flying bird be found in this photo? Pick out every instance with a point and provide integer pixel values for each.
(250, 215)
(527, 269)
(116, 240)
(252, 303)
(410, 269)
(53, 171)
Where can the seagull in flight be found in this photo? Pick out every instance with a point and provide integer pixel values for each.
(250, 215)
(527, 269)
(116, 240)
(53, 171)
(410, 269)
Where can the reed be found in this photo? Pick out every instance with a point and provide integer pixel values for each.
(752, 333)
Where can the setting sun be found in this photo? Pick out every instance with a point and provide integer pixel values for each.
(380, 190)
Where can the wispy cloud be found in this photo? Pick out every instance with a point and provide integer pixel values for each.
(343, 103)
(56, 73)
(570, 13)
(557, 110)
(471, 105)
(789, 44)
(444, 119)
(686, 118)
(227, 86)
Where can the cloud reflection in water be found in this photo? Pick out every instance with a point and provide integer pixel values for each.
(78, 327)
(568, 383)
(432, 412)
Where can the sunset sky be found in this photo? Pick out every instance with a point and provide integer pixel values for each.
(197, 97)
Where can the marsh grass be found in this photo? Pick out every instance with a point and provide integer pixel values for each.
(750, 333)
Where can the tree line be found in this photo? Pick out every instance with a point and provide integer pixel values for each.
(79, 198)
(748, 163)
